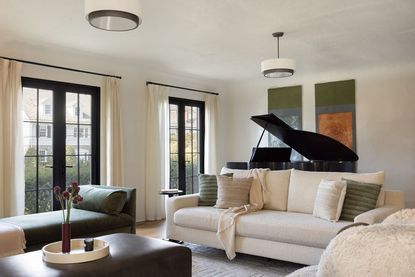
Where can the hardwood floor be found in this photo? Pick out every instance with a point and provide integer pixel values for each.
(154, 229)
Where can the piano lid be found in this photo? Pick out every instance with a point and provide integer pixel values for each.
(313, 146)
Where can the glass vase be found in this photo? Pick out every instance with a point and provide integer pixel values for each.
(66, 237)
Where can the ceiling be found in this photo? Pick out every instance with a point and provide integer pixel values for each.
(227, 39)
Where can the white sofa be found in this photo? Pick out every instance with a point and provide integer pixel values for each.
(285, 228)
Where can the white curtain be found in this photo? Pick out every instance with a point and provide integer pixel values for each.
(211, 117)
(156, 159)
(11, 139)
(111, 135)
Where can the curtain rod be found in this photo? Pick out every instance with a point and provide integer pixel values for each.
(191, 89)
(61, 67)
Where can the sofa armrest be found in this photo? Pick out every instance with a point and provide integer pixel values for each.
(376, 215)
(174, 204)
(129, 206)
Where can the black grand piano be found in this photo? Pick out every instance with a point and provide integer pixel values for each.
(322, 152)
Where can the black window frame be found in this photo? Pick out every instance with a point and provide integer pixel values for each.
(181, 103)
(59, 130)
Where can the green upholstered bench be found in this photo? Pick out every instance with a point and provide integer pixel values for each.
(43, 228)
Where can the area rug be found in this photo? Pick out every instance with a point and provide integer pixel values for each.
(212, 262)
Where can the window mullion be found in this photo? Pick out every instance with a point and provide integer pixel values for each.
(181, 147)
(37, 150)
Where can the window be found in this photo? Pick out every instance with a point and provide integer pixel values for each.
(42, 131)
(49, 131)
(86, 132)
(75, 110)
(42, 156)
(187, 128)
(47, 109)
(54, 154)
(81, 132)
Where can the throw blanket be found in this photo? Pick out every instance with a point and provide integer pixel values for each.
(226, 224)
(12, 239)
(226, 228)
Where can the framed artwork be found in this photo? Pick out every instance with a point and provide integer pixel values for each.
(336, 112)
(286, 103)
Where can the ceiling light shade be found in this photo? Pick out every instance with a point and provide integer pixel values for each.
(278, 68)
(113, 15)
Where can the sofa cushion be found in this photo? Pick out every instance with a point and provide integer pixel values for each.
(233, 192)
(255, 193)
(304, 185)
(329, 200)
(276, 190)
(360, 197)
(101, 200)
(202, 218)
(288, 227)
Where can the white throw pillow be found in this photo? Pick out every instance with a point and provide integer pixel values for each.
(329, 200)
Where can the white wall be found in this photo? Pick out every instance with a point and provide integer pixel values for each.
(385, 113)
(384, 109)
(132, 94)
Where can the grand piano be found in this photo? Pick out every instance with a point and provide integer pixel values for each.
(322, 152)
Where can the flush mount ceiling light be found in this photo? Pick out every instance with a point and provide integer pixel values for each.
(113, 15)
(278, 68)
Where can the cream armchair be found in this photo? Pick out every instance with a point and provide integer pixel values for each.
(385, 249)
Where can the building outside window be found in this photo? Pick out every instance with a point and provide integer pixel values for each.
(43, 131)
(42, 156)
(47, 109)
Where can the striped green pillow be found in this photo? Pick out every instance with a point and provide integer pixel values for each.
(360, 197)
(208, 189)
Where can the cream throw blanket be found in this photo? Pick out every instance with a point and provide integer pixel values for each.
(226, 224)
(12, 239)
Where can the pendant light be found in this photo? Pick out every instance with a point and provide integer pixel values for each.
(113, 15)
(278, 68)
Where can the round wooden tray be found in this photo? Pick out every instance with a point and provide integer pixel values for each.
(52, 253)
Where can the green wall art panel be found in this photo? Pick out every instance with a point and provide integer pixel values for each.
(336, 111)
(286, 103)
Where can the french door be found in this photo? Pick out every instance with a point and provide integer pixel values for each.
(61, 139)
(187, 134)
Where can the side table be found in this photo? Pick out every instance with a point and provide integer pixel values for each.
(171, 193)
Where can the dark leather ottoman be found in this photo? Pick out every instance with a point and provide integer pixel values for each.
(130, 255)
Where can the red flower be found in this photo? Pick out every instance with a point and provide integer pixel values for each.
(57, 190)
(65, 194)
(67, 198)
(77, 199)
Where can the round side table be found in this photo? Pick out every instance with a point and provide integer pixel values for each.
(171, 193)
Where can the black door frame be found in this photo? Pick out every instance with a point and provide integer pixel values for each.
(59, 128)
(181, 143)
